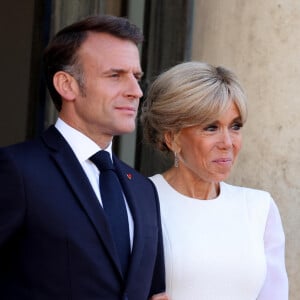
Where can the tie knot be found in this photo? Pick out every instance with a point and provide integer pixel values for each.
(102, 160)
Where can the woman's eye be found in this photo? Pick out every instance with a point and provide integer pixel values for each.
(211, 128)
(237, 126)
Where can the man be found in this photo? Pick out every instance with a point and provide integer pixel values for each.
(56, 240)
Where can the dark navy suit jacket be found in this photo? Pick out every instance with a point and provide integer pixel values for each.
(54, 238)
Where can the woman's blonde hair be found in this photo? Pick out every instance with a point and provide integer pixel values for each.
(189, 94)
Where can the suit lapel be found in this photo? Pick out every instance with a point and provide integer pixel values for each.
(71, 169)
(129, 185)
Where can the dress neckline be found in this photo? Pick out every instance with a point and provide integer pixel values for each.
(173, 191)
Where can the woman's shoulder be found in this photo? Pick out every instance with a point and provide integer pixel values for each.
(157, 179)
(257, 202)
(251, 193)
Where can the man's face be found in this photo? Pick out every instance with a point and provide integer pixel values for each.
(109, 102)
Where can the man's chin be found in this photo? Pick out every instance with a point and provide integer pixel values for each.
(125, 130)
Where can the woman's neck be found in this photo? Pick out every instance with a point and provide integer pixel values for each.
(190, 185)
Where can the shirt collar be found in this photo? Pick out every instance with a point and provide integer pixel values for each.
(82, 146)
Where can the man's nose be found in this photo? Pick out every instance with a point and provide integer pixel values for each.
(134, 90)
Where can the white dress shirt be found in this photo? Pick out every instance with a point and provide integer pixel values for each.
(83, 148)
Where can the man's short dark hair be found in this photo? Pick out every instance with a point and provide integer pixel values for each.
(61, 53)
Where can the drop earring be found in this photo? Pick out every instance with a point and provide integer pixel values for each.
(176, 160)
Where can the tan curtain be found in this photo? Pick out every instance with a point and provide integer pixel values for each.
(168, 32)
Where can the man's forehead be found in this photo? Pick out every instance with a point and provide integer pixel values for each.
(110, 47)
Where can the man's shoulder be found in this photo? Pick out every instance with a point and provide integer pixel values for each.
(26, 150)
(20, 147)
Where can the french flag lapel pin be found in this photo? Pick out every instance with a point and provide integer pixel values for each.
(129, 176)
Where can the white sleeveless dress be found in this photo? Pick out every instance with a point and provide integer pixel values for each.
(228, 248)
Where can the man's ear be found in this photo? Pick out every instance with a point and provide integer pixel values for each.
(66, 85)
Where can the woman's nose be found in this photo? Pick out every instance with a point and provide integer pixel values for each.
(226, 139)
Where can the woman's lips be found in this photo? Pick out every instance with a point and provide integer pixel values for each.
(223, 160)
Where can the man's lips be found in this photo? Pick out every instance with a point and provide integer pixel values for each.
(128, 109)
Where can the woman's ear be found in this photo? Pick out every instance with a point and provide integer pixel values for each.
(171, 140)
(65, 85)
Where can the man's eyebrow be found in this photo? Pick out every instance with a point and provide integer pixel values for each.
(138, 74)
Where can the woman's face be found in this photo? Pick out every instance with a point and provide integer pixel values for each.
(208, 152)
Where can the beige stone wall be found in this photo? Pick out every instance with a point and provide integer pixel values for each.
(260, 41)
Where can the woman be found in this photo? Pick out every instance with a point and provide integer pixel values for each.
(221, 241)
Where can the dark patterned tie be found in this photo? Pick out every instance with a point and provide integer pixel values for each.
(114, 205)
